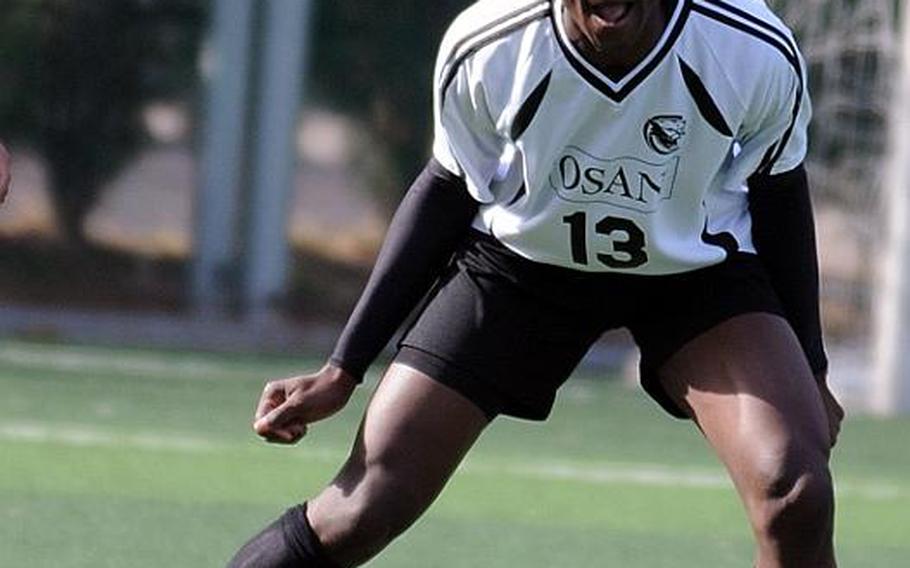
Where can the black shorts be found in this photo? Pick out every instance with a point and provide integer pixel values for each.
(507, 332)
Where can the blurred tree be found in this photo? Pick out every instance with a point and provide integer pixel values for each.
(76, 74)
(374, 60)
(75, 77)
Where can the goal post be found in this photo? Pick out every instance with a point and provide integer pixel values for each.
(857, 53)
(890, 380)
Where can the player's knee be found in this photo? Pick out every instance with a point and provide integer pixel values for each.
(796, 499)
(365, 521)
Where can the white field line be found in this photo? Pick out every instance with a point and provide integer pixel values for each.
(643, 474)
(635, 473)
(77, 435)
(80, 436)
(64, 359)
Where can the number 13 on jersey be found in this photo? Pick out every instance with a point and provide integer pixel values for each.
(627, 238)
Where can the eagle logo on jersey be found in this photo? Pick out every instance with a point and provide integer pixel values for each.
(663, 133)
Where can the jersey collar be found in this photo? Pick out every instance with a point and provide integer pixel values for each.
(618, 90)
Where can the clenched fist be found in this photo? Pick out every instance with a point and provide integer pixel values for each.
(288, 405)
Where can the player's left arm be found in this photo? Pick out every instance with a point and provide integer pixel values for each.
(783, 232)
(773, 146)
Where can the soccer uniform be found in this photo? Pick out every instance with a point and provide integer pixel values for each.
(561, 202)
(643, 174)
(604, 202)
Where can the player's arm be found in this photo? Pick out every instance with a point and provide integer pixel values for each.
(5, 174)
(773, 143)
(430, 222)
(783, 231)
(433, 218)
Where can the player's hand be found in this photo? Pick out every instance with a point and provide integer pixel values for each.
(5, 174)
(832, 407)
(288, 405)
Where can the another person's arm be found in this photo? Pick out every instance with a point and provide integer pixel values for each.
(430, 222)
(5, 173)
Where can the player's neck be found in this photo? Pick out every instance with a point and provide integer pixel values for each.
(616, 61)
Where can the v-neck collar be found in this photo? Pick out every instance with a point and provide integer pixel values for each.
(617, 90)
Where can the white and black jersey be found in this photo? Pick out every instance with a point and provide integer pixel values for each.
(644, 173)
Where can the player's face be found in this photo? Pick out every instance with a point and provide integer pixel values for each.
(617, 32)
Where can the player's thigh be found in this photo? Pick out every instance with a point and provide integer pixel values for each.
(749, 388)
(414, 433)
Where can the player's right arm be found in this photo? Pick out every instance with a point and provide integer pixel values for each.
(431, 221)
(5, 175)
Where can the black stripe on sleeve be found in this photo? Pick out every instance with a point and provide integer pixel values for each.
(768, 159)
(529, 108)
(450, 69)
(789, 132)
(487, 27)
(784, 46)
(755, 20)
(706, 105)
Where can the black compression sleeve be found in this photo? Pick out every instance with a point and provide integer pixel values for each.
(783, 231)
(430, 222)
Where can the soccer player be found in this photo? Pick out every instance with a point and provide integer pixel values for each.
(596, 164)
(5, 175)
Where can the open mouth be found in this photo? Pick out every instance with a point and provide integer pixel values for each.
(611, 14)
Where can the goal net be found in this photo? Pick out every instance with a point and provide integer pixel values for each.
(851, 51)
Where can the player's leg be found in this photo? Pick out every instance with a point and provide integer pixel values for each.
(749, 389)
(497, 337)
(413, 435)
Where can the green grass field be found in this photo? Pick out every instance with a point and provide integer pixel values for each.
(132, 458)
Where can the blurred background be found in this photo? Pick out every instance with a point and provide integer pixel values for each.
(184, 159)
(200, 189)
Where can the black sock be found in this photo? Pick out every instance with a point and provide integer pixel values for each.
(289, 542)
(303, 540)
